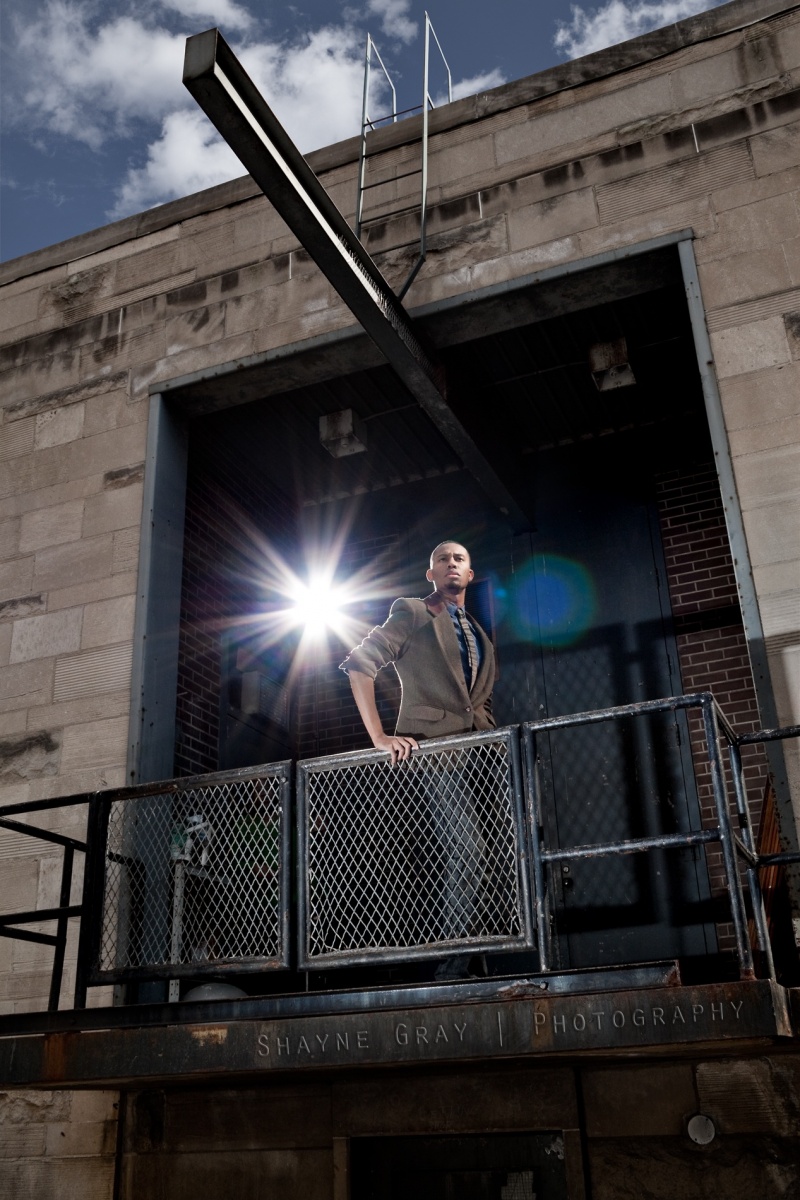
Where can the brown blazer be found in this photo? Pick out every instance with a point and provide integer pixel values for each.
(419, 638)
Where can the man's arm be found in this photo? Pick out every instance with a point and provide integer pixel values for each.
(364, 692)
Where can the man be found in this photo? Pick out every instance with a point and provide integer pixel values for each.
(444, 659)
(446, 667)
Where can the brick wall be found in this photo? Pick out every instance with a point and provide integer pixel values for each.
(712, 649)
(227, 519)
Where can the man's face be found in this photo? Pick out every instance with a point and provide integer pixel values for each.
(450, 570)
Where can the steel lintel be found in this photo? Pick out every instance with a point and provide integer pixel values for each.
(719, 1018)
(231, 101)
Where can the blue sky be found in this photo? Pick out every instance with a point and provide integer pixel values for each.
(96, 124)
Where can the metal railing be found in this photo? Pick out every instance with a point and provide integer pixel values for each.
(64, 911)
(445, 854)
(416, 860)
(194, 877)
(733, 846)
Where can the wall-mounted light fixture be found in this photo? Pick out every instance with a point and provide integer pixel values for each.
(608, 362)
(343, 433)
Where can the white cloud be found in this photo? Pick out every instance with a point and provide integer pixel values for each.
(478, 83)
(395, 22)
(226, 14)
(91, 85)
(89, 71)
(618, 21)
(314, 88)
(187, 157)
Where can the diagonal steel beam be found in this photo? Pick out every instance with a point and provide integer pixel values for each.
(230, 99)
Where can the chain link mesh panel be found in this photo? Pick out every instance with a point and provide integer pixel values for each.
(196, 876)
(401, 860)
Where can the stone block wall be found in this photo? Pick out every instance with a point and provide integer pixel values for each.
(58, 1144)
(540, 173)
(693, 127)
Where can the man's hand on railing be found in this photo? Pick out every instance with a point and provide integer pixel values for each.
(398, 747)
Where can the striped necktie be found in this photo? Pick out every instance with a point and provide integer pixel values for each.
(471, 644)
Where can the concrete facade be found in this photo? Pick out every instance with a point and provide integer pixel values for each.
(692, 128)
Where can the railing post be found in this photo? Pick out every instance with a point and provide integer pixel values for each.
(62, 925)
(93, 888)
(711, 728)
(534, 810)
(754, 884)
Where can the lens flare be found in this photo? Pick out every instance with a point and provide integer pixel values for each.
(554, 601)
(317, 605)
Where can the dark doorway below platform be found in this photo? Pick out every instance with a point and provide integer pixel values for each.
(528, 1166)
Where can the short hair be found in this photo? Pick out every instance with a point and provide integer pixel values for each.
(449, 542)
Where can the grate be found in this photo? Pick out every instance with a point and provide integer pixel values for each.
(400, 860)
(194, 876)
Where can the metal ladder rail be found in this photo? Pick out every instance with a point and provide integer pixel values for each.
(368, 124)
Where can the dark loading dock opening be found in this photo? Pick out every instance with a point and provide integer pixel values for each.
(582, 608)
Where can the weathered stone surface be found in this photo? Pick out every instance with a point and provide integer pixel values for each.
(772, 532)
(715, 75)
(16, 438)
(103, 703)
(95, 744)
(756, 226)
(122, 350)
(46, 635)
(108, 621)
(776, 150)
(51, 526)
(30, 756)
(60, 425)
(20, 880)
(81, 459)
(750, 348)
(22, 606)
(19, 384)
(123, 477)
(672, 183)
(554, 218)
(121, 584)
(70, 784)
(91, 1179)
(771, 395)
(64, 566)
(196, 327)
(115, 508)
(126, 550)
(88, 390)
(87, 1139)
(23, 684)
(740, 277)
(6, 631)
(772, 436)
(174, 366)
(791, 250)
(16, 576)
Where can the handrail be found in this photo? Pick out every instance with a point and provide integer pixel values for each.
(60, 914)
(737, 845)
